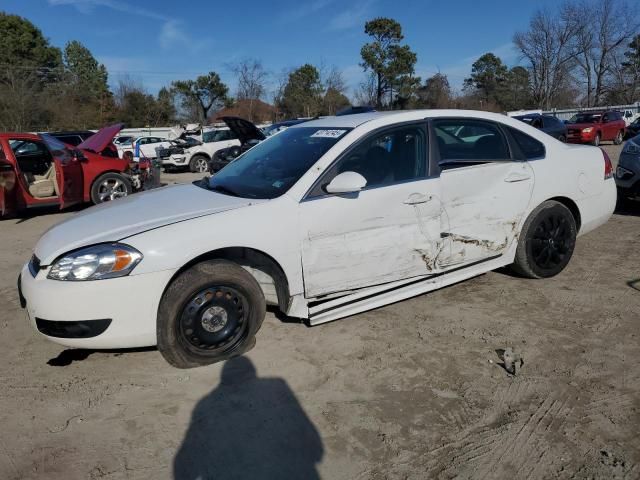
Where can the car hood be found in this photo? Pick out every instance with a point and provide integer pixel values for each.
(99, 140)
(114, 221)
(244, 129)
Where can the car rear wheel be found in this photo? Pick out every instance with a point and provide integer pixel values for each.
(619, 138)
(596, 140)
(546, 241)
(210, 313)
(110, 186)
(199, 164)
(562, 138)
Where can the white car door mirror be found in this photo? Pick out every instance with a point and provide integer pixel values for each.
(346, 182)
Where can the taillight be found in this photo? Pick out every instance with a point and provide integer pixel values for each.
(608, 167)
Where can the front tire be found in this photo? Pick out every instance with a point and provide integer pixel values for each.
(546, 242)
(210, 313)
(199, 164)
(619, 138)
(109, 187)
(562, 138)
(596, 140)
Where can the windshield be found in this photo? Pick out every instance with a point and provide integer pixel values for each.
(272, 167)
(215, 136)
(585, 118)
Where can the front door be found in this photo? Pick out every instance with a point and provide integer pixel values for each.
(7, 185)
(68, 168)
(389, 231)
(484, 192)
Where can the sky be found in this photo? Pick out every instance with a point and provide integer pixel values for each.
(157, 41)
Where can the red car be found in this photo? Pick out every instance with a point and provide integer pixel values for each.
(595, 127)
(39, 170)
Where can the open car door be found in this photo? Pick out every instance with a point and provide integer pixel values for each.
(69, 175)
(7, 187)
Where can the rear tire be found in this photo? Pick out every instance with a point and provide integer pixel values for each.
(210, 313)
(562, 138)
(546, 242)
(199, 164)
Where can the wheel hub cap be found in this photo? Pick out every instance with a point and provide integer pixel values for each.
(214, 319)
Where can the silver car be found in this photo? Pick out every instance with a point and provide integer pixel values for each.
(628, 171)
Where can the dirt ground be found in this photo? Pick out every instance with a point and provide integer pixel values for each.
(413, 390)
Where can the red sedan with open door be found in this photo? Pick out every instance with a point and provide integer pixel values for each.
(39, 170)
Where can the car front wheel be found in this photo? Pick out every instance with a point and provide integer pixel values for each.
(619, 138)
(596, 140)
(110, 186)
(199, 164)
(546, 241)
(210, 313)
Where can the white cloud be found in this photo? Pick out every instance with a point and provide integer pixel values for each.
(304, 10)
(87, 6)
(354, 16)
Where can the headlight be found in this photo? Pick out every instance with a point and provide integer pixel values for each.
(631, 147)
(587, 130)
(107, 260)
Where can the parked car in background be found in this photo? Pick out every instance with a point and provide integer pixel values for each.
(73, 138)
(633, 129)
(280, 126)
(196, 158)
(123, 140)
(142, 147)
(596, 127)
(248, 135)
(324, 220)
(40, 170)
(628, 170)
(548, 124)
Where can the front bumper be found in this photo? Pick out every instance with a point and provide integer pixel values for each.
(628, 174)
(580, 137)
(175, 161)
(111, 313)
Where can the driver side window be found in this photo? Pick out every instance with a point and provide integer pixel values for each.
(393, 156)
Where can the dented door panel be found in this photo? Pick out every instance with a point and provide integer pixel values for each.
(482, 207)
(376, 236)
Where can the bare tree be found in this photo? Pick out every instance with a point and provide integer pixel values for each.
(604, 27)
(367, 92)
(251, 77)
(549, 47)
(281, 81)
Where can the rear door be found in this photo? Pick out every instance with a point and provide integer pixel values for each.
(7, 185)
(484, 191)
(69, 175)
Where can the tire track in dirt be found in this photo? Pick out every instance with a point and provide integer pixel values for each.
(506, 441)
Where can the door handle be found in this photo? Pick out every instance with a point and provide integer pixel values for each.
(517, 177)
(416, 198)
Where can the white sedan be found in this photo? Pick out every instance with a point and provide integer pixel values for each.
(327, 219)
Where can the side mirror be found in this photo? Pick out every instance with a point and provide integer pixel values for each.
(346, 182)
(79, 156)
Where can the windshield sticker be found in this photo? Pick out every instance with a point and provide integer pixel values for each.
(328, 133)
(277, 184)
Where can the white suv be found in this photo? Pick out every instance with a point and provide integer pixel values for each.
(197, 158)
(147, 146)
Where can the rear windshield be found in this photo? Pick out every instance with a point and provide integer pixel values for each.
(273, 166)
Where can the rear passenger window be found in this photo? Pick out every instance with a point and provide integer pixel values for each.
(530, 147)
(463, 142)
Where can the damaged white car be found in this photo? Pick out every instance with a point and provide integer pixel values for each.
(327, 219)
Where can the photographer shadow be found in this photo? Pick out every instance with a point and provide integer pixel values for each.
(246, 428)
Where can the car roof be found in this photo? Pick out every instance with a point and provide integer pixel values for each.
(353, 121)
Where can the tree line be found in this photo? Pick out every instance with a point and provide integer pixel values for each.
(578, 53)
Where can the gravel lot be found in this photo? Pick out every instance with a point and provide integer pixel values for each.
(412, 390)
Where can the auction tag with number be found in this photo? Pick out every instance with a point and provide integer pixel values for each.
(328, 133)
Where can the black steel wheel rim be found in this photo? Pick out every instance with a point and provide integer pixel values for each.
(214, 319)
(551, 242)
